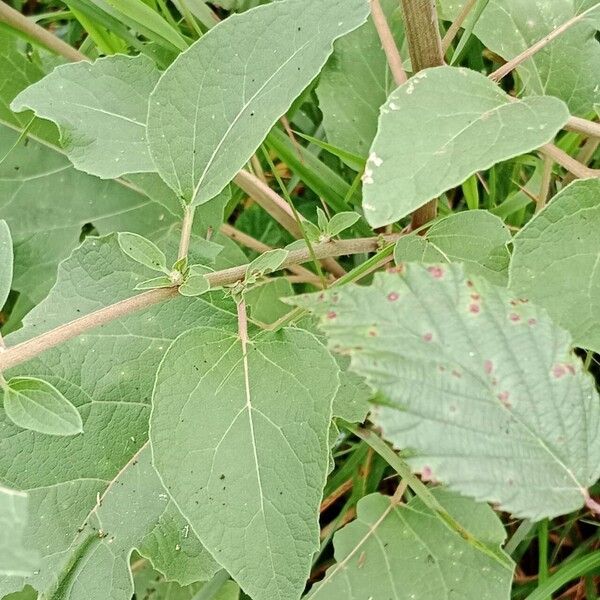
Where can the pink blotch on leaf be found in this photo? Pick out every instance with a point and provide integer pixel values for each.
(532, 322)
(503, 397)
(331, 314)
(514, 317)
(436, 272)
(426, 474)
(558, 371)
(427, 337)
(393, 296)
(488, 366)
(474, 309)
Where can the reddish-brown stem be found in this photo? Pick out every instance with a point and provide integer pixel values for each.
(388, 43)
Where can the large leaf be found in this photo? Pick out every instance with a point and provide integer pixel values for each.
(6, 262)
(556, 261)
(395, 551)
(476, 238)
(355, 82)
(101, 111)
(205, 121)
(251, 483)
(483, 387)
(108, 374)
(568, 67)
(441, 127)
(15, 558)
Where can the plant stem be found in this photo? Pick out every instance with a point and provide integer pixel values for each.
(542, 552)
(457, 24)
(513, 63)
(568, 162)
(29, 349)
(388, 43)
(425, 47)
(186, 231)
(583, 126)
(546, 181)
(17, 21)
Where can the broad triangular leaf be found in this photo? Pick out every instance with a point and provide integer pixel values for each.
(205, 121)
(108, 374)
(482, 386)
(252, 451)
(15, 558)
(475, 237)
(556, 261)
(101, 111)
(441, 127)
(355, 82)
(395, 551)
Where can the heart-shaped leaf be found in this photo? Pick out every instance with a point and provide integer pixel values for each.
(483, 387)
(248, 469)
(205, 121)
(37, 405)
(370, 551)
(556, 261)
(441, 127)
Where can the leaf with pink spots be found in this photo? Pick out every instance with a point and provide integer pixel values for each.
(483, 388)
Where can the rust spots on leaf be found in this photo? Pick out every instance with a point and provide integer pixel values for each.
(331, 315)
(427, 337)
(504, 398)
(560, 370)
(393, 296)
(474, 308)
(436, 272)
(488, 366)
(514, 317)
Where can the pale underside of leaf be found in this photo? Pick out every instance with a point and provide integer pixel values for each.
(441, 127)
(482, 386)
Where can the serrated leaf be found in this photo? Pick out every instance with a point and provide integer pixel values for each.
(355, 82)
(103, 134)
(6, 262)
(568, 67)
(251, 484)
(483, 387)
(37, 405)
(143, 251)
(341, 221)
(475, 237)
(108, 374)
(267, 262)
(555, 261)
(15, 558)
(278, 50)
(196, 283)
(441, 127)
(373, 553)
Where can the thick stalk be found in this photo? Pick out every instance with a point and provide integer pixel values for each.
(25, 351)
(425, 48)
(186, 231)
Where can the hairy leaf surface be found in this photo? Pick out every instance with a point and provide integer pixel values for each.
(108, 374)
(441, 127)
(482, 387)
(556, 261)
(216, 103)
(250, 479)
(475, 237)
(101, 110)
(438, 563)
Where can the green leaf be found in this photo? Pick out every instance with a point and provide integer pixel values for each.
(441, 127)
(568, 67)
(196, 283)
(342, 221)
(267, 262)
(373, 553)
(6, 262)
(265, 300)
(37, 405)
(483, 388)
(103, 133)
(355, 82)
(475, 237)
(143, 251)
(556, 257)
(203, 129)
(251, 484)
(108, 374)
(322, 219)
(155, 283)
(16, 559)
